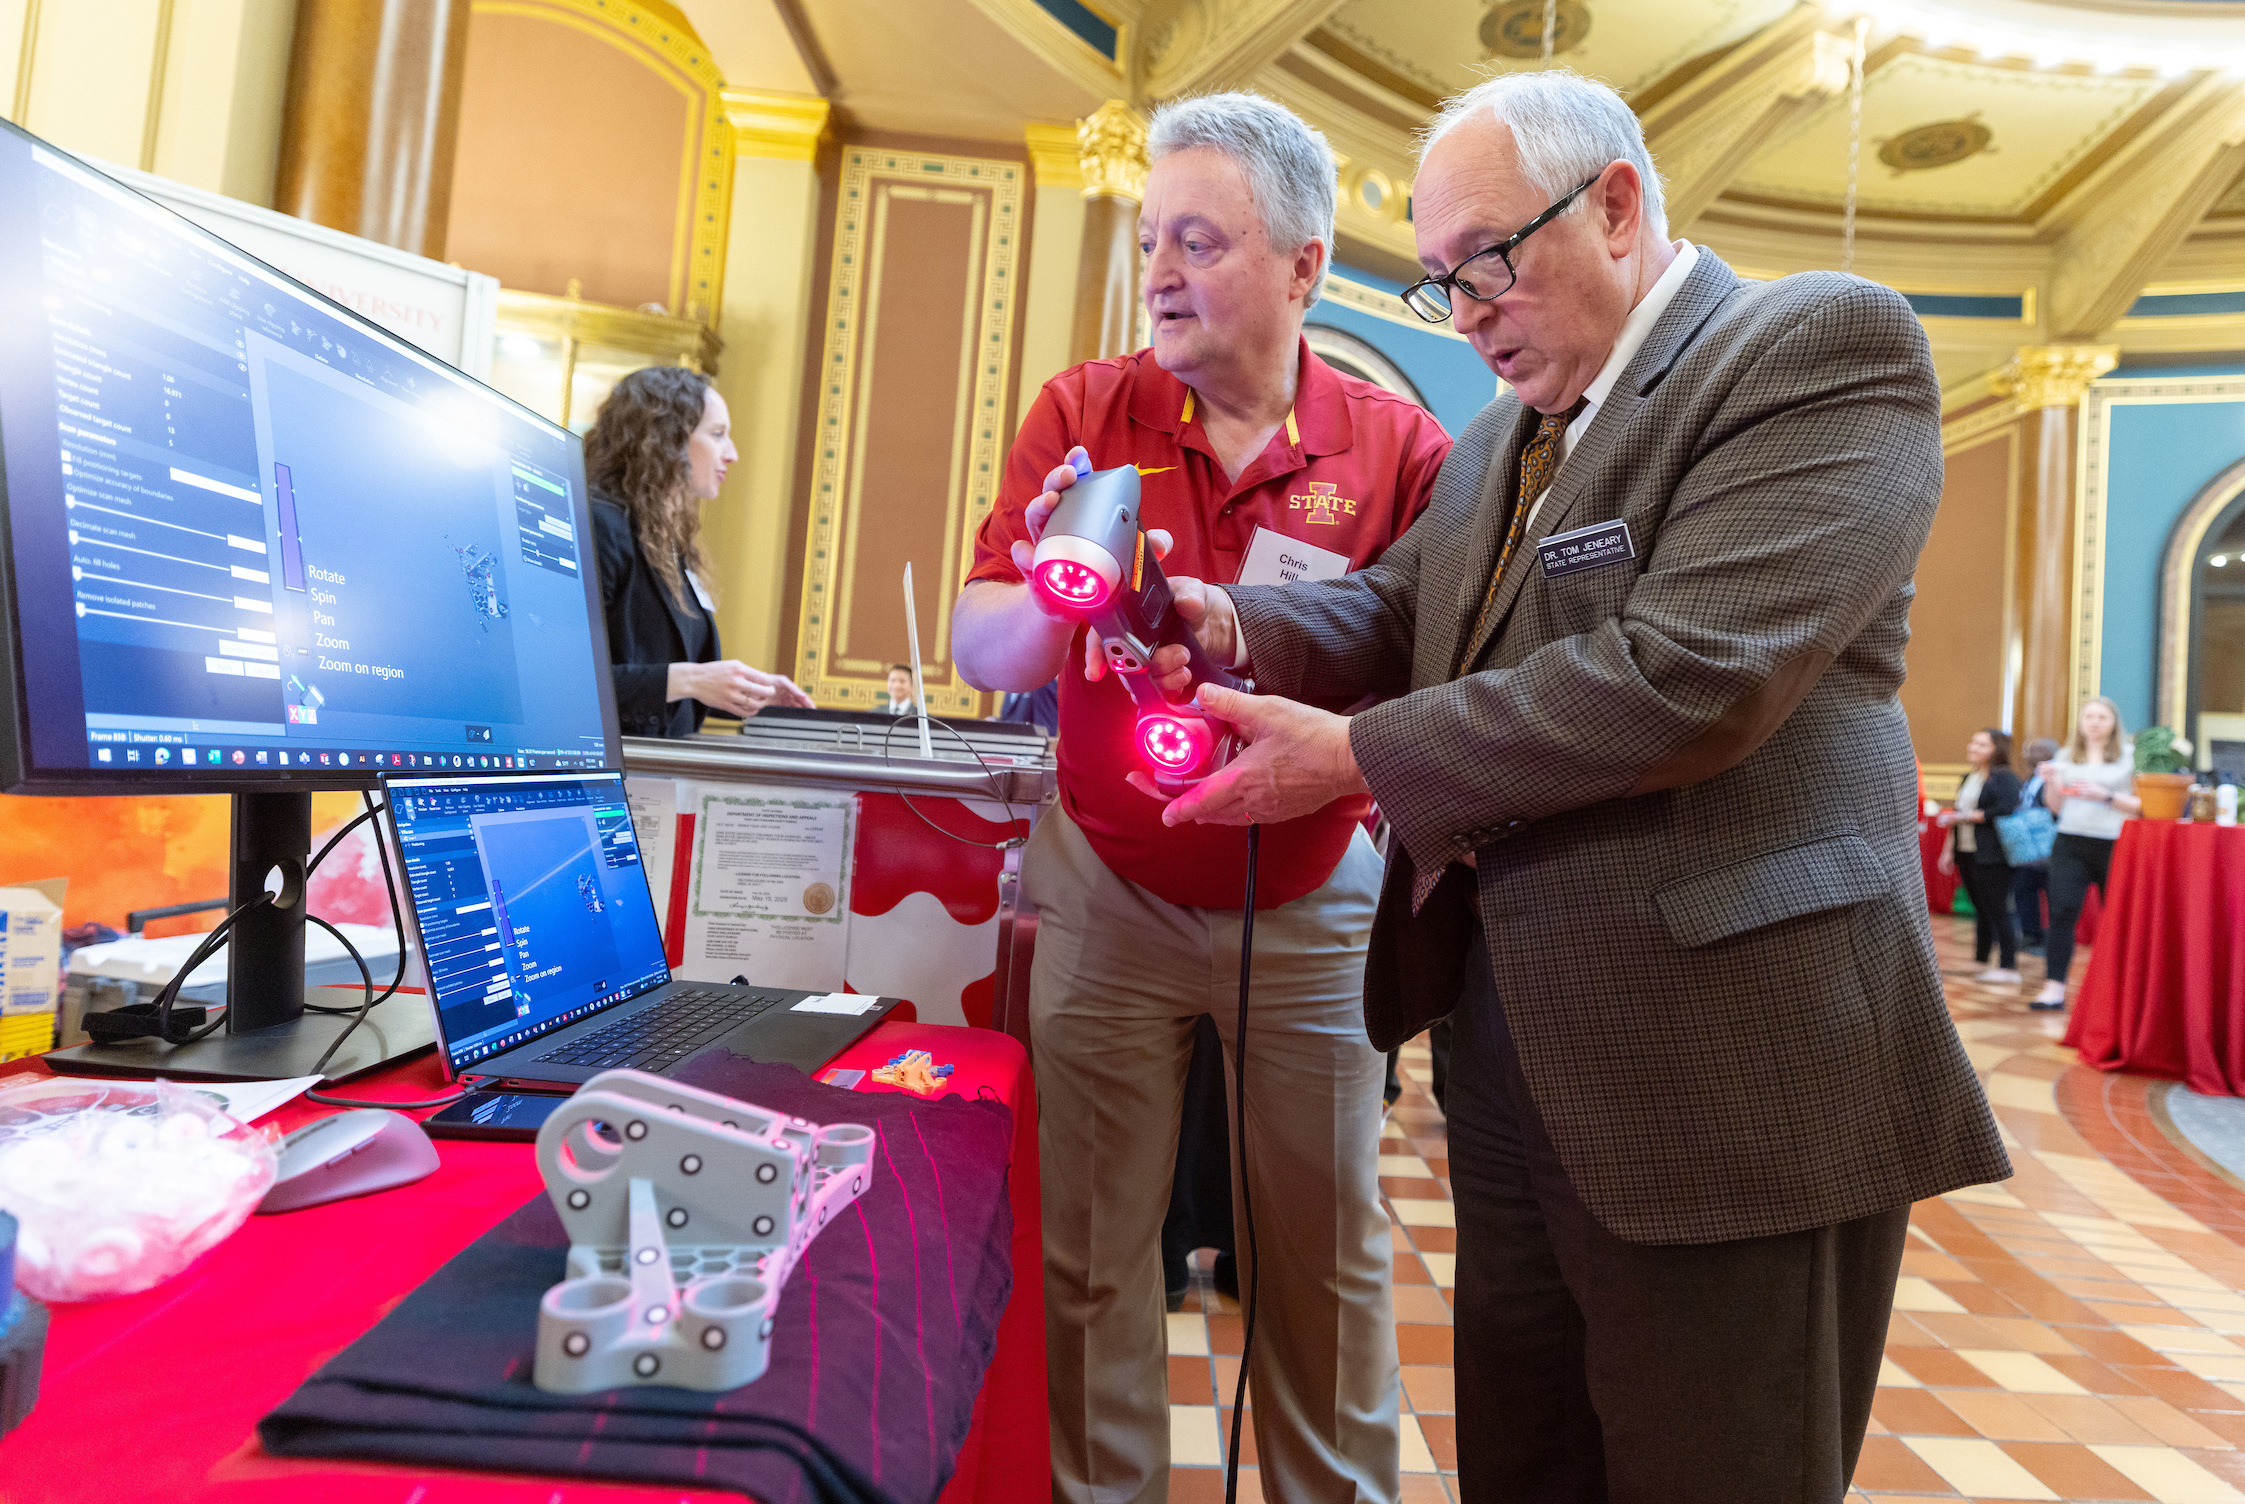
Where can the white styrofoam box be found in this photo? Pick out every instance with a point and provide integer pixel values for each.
(151, 962)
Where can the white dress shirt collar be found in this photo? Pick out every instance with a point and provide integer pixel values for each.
(1634, 329)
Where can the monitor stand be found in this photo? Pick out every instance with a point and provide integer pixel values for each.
(268, 1036)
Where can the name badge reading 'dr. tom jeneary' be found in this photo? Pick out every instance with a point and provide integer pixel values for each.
(1592, 547)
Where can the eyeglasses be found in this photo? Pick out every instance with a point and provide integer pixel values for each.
(1429, 297)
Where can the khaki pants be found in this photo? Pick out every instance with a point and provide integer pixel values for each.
(1119, 978)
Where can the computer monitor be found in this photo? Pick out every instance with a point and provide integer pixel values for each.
(255, 544)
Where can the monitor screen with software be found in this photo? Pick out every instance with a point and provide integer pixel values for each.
(254, 541)
(529, 900)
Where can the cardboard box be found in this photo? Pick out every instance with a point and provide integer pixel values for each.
(30, 967)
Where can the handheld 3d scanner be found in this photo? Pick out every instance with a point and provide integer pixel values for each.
(1093, 563)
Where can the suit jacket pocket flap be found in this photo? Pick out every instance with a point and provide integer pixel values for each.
(1785, 884)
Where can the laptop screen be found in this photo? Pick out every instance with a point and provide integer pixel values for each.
(531, 900)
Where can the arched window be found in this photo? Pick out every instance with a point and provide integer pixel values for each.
(2201, 688)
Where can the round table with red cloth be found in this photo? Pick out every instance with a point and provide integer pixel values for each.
(2165, 992)
(156, 1396)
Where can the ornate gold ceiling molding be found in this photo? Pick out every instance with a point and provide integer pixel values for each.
(2105, 259)
(2042, 376)
(1111, 152)
(1199, 46)
(1705, 133)
(1061, 49)
(1362, 145)
(1055, 156)
(787, 127)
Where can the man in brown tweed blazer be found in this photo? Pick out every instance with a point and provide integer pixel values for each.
(1651, 790)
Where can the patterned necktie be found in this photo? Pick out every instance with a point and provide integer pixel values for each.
(1538, 462)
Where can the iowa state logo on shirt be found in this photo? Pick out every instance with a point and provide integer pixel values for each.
(1324, 504)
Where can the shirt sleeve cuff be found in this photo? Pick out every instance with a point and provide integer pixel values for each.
(1240, 656)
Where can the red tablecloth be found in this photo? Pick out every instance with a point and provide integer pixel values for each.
(156, 1396)
(2165, 992)
(1940, 887)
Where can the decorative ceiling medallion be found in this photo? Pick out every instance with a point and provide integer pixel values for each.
(1940, 144)
(1514, 28)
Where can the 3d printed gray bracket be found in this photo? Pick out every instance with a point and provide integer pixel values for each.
(686, 1211)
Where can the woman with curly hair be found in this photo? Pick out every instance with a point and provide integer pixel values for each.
(658, 449)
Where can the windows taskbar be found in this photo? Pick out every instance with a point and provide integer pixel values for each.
(206, 759)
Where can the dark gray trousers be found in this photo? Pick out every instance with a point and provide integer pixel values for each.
(1590, 1369)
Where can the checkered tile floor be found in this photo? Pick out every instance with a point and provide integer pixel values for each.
(2077, 1333)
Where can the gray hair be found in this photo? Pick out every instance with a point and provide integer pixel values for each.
(1566, 128)
(1289, 169)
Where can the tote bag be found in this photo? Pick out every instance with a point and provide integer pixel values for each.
(2027, 836)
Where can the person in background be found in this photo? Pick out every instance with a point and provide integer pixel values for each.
(1989, 791)
(1039, 707)
(2030, 880)
(2091, 786)
(657, 450)
(900, 690)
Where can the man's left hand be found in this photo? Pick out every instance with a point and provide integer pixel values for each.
(1296, 762)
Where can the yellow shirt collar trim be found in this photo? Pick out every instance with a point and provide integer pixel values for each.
(1293, 433)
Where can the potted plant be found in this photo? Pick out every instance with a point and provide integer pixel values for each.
(2163, 776)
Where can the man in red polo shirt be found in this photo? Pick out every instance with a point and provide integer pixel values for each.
(1248, 445)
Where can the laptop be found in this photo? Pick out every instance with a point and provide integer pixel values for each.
(542, 953)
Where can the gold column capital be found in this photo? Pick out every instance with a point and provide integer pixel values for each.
(2042, 376)
(787, 127)
(1111, 152)
(1055, 156)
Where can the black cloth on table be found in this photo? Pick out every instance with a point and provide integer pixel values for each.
(882, 1335)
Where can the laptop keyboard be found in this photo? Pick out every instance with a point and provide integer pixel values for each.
(666, 1033)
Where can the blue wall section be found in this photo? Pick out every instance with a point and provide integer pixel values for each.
(2161, 456)
(1446, 371)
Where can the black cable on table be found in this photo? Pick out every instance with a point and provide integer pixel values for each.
(1246, 1187)
(397, 917)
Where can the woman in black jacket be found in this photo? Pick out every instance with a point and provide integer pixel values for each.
(1989, 791)
(658, 449)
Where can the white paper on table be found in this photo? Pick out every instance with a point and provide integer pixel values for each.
(768, 897)
(243, 1101)
(654, 820)
(848, 1004)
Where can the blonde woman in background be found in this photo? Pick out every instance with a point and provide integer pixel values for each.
(2090, 784)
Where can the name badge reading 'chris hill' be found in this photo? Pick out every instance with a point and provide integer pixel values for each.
(1592, 547)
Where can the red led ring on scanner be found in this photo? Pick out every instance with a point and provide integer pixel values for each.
(1074, 573)
(1174, 746)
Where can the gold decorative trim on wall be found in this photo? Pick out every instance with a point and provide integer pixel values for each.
(157, 65)
(1972, 427)
(24, 57)
(1943, 779)
(2171, 690)
(2093, 448)
(705, 170)
(870, 177)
